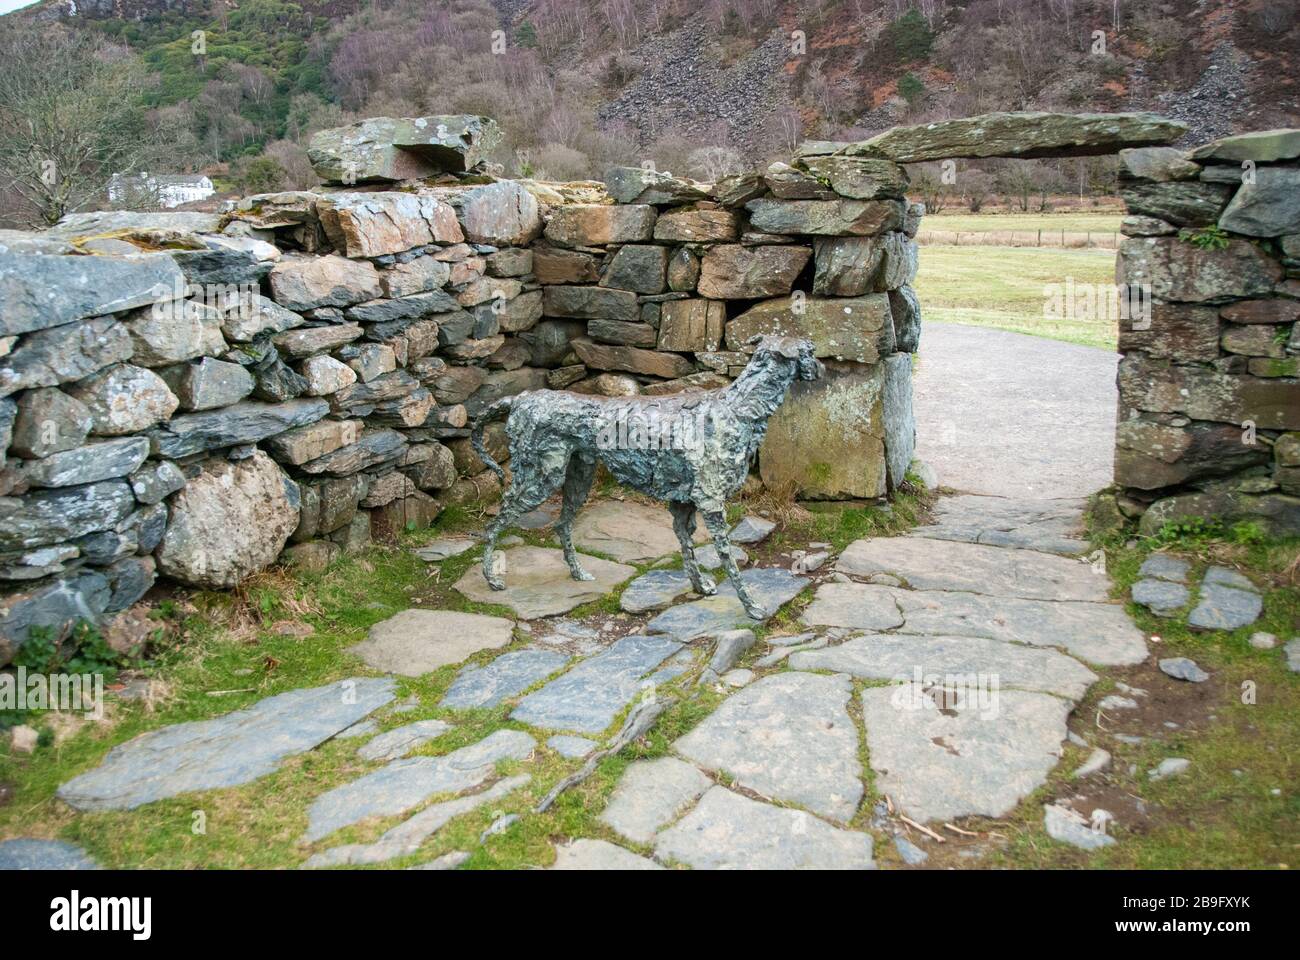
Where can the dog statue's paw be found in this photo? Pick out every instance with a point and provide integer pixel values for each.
(756, 612)
(580, 574)
(496, 583)
(706, 587)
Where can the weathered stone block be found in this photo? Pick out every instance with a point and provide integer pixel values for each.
(1268, 207)
(691, 326)
(50, 357)
(732, 271)
(1174, 331)
(859, 178)
(652, 363)
(826, 217)
(639, 268)
(47, 421)
(408, 148)
(851, 328)
(1150, 455)
(698, 226)
(585, 225)
(124, 399)
(556, 265)
(502, 214)
(1158, 387)
(590, 303)
(1186, 204)
(324, 282)
(245, 422)
(1182, 271)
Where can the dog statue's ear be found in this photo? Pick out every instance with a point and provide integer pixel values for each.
(787, 347)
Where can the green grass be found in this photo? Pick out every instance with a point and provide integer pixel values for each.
(1004, 288)
(1047, 222)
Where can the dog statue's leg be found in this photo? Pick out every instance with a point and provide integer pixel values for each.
(499, 523)
(716, 522)
(684, 527)
(577, 484)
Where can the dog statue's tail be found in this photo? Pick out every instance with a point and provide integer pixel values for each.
(493, 412)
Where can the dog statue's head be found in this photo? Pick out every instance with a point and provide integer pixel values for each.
(790, 349)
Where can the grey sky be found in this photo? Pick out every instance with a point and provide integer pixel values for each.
(7, 5)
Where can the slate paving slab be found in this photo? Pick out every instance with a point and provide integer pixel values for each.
(1183, 668)
(587, 698)
(654, 590)
(908, 657)
(1099, 633)
(1164, 598)
(585, 854)
(415, 642)
(789, 737)
(751, 530)
(771, 587)
(1063, 824)
(1227, 601)
(225, 751)
(1162, 566)
(726, 831)
(406, 837)
(507, 675)
(925, 564)
(32, 854)
(570, 746)
(629, 531)
(400, 741)
(1052, 526)
(445, 548)
(538, 583)
(981, 757)
(403, 784)
(650, 795)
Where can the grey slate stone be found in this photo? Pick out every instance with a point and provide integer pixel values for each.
(56, 604)
(156, 481)
(789, 737)
(1096, 632)
(400, 741)
(726, 831)
(1162, 566)
(104, 460)
(1052, 526)
(48, 421)
(414, 642)
(570, 746)
(64, 513)
(653, 590)
(1292, 650)
(1162, 597)
(585, 854)
(898, 656)
(507, 675)
(49, 291)
(1224, 608)
(751, 530)
(1181, 668)
(47, 358)
(912, 855)
(404, 783)
(587, 698)
(246, 422)
(1067, 826)
(1169, 767)
(650, 795)
(977, 759)
(769, 587)
(226, 751)
(31, 854)
(926, 564)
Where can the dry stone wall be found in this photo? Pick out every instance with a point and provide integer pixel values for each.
(196, 395)
(1209, 382)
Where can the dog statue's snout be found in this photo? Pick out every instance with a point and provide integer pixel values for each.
(810, 368)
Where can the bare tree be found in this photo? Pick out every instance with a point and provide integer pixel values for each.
(71, 116)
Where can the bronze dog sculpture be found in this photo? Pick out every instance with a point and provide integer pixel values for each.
(692, 450)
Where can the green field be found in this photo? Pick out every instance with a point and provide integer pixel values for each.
(1053, 222)
(1003, 287)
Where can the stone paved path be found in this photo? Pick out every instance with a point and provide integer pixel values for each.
(1009, 415)
(939, 669)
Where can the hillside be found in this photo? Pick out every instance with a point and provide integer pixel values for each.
(578, 84)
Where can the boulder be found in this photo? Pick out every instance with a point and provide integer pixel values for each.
(124, 399)
(683, 270)
(1151, 455)
(825, 217)
(409, 148)
(827, 440)
(1022, 135)
(173, 332)
(375, 224)
(209, 384)
(691, 326)
(245, 422)
(231, 520)
(55, 605)
(849, 328)
(735, 272)
(324, 282)
(599, 356)
(47, 358)
(1159, 387)
(251, 316)
(1160, 164)
(585, 225)
(1189, 203)
(590, 303)
(414, 276)
(859, 178)
(62, 514)
(698, 225)
(1181, 271)
(502, 214)
(1260, 146)
(1267, 207)
(637, 267)
(41, 291)
(639, 185)
(47, 421)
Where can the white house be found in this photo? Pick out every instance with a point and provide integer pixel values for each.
(165, 190)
